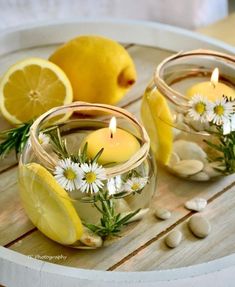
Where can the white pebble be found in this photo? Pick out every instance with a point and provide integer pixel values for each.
(162, 213)
(179, 128)
(196, 204)
(91, 239)
(199, 226)
(173, 159)
(189, 150)
(197, 125)
(176, 132)
(187, 167)
(173, 239)
(201, 176)
(211, 169)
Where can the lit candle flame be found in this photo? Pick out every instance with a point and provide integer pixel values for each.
(215, 77)
(112, 126)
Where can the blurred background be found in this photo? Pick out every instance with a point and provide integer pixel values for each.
(189, 14)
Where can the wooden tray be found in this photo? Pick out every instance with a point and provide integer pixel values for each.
(27, 258)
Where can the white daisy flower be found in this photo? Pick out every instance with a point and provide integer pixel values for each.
(198, 108)
(220, 111)
(43, 139)
(92, 177)
(135, 184)
(68, 174)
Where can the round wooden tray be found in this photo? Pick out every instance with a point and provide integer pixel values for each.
(140, 259)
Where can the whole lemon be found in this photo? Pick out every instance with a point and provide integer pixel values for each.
(99, 69)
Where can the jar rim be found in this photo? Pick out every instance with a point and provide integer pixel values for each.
(50, 162)
(172, 95)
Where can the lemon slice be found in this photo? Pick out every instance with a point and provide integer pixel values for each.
(48, 205)
(30, 88)
(157, 119)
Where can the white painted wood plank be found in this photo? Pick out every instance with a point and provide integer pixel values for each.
(16, 268)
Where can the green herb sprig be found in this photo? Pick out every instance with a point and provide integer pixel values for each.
(111, 222)
(226, 147)
(15, 138)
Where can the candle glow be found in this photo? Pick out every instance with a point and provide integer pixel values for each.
(215, 77)
(113, 126)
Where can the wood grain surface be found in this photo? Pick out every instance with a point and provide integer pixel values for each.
(143, 248)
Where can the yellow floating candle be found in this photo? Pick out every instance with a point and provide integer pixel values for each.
(118, 144)
(212, 90)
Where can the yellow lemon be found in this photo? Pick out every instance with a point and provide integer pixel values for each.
(158, 122)
(30, 88)
(99, 69)
(48, 205)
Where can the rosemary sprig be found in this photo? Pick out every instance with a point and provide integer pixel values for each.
(111, 222)
(226, 147)
(60, 148)
(15, 138)
(58, 144)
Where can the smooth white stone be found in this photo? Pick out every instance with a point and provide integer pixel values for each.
(201, 176)
(189, 150)
(173, 159)
(210, 169)
(176, 132)
(180, 127)
(196, 204)
(187, 167)
(162, 213)
(183, 127)
(199, 226)
(179, 117)
(173, 239)
(196, 125)
(91, 239)
(139, 216)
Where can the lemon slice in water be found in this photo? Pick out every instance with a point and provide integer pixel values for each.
(157, 119)
(48, 205)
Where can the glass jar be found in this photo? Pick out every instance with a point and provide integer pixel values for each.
(70, 196)
(191, 126)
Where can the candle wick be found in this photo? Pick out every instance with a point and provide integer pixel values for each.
(111, 135)
(213, 84)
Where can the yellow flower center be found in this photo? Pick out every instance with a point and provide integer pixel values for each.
(200, 108)
(135, 186)
(219, 110)
(90, 177)
(70, 174)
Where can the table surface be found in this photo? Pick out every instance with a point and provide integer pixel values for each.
(144, 248)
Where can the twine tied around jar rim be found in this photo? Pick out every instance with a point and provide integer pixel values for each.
(50, 162)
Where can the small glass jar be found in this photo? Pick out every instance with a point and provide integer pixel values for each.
(186, 136)
(99, 203)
